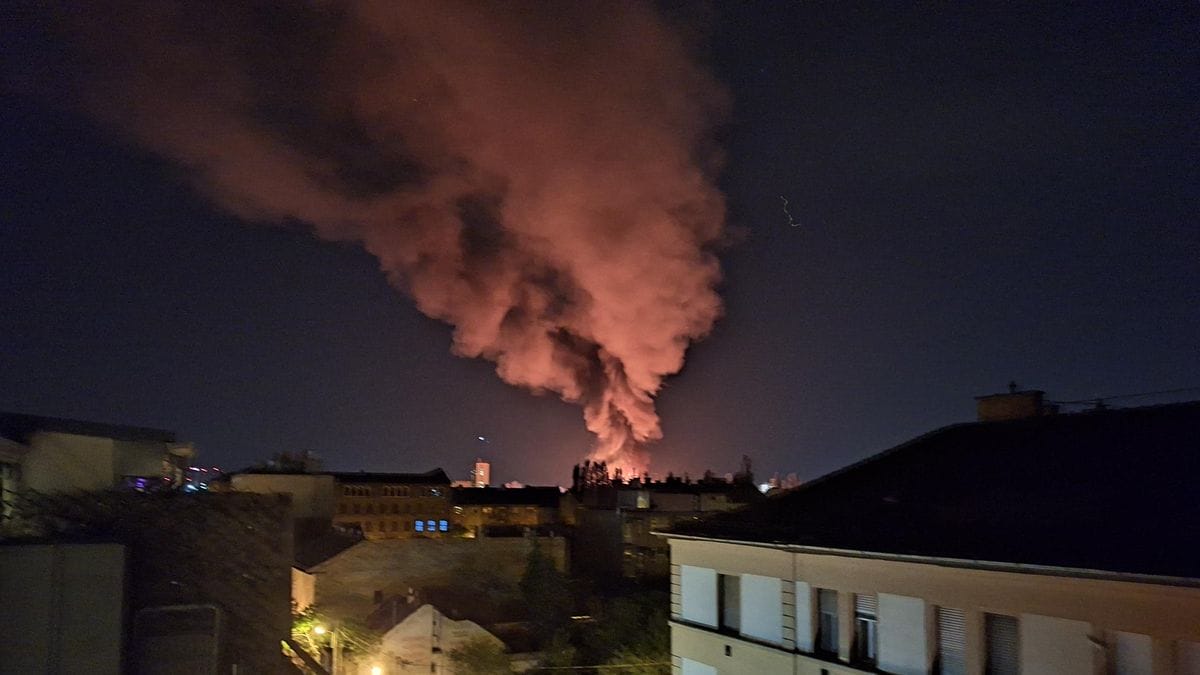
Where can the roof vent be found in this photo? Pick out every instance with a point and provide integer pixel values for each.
(1013, 405)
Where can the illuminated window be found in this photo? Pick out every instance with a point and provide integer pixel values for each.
(443, 526)
(419, 526)
(431, 526)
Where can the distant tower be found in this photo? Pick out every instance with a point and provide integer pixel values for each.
(481, 475)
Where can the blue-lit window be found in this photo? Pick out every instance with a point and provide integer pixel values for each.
(420, 527)
(431, 526)
(443, 526)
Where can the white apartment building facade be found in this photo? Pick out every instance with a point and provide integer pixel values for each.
(1030, 544)
(750, 608)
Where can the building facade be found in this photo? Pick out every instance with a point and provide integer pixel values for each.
(393, 505)
(1026, 542)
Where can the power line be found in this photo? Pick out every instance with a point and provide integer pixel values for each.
(1116, 397)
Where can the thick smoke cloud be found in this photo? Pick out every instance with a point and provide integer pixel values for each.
(536, 175)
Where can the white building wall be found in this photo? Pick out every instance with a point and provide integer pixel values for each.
(691, 667)
(698, 595)
(902, 638)
(762, 608)
(1052, 646)
(804, 623)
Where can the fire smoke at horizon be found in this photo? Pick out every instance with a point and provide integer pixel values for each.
(538, 176)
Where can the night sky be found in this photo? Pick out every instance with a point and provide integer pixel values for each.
(974, 195)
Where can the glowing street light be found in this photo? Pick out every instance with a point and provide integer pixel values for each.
(319, 630)
(376, 670)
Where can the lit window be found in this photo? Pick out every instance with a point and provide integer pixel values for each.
(419, 526)
(443, 526)
(431, 526)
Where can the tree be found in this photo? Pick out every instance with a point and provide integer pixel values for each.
(480, 656)
(546, 594)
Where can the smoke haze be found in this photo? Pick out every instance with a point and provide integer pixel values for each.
(539, 176)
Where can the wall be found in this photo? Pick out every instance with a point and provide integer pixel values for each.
(62, 608)
(409, 647)
(346, 583)
(312, 494)
(59, 462)
(304, 589)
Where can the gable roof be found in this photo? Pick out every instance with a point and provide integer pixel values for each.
(1110, 490)
(19, 427)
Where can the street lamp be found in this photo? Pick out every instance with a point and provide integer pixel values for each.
(319, 630)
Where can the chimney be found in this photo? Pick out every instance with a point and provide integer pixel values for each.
(1013, 405)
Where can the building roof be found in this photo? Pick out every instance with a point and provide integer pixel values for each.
(432, 477)
(527, 496)
(19, 427)
(1107, 490)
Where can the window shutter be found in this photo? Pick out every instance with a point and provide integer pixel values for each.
(952, 641)
(1003, 654)
(866, 605)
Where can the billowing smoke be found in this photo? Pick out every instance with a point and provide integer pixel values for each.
(538, 175)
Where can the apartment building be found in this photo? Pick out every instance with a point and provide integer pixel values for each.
(377, 505)
(1027, 542)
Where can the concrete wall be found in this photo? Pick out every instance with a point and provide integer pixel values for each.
(346, 583)
(61, 608)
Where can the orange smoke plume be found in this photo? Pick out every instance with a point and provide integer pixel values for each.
(537, 175)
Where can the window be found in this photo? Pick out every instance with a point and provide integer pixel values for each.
(430, 526)
(1003, 646)
(951, 641)
(419, 526)
(729, 601)
(827, 621)
(395, 508)
(443, 526)
(341, 508)
(866, 628)
(357, 509)
(371, 509)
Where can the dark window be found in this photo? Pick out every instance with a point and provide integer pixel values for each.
(729, 604)
(357, 509)
(378, 597)
(1003, 646)
(866, 629)
(395, 508)
(827, 621)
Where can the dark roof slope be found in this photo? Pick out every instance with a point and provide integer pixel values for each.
(527, 496)
(19, 427)
(1112, 490)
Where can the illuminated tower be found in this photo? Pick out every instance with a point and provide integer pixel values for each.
(481, 475)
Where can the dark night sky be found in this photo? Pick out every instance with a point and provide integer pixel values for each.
(982, 195)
